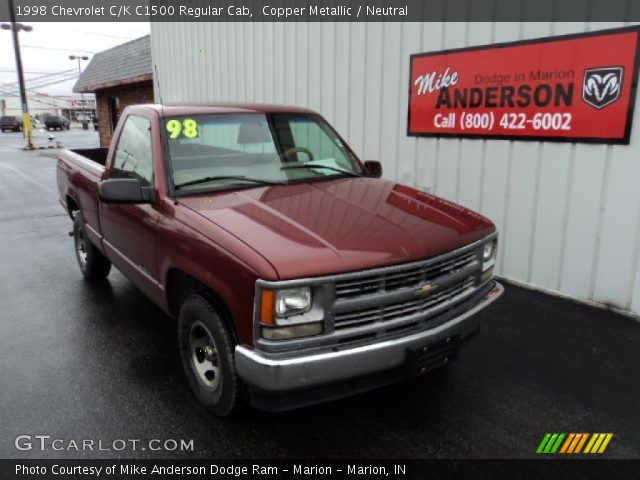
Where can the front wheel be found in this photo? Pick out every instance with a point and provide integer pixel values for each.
(207, 349)
(93, 264)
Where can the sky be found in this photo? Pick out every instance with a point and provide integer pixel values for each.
(47, 47)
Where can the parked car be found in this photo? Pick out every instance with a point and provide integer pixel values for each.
(11, 123)
(56, 122)
(296, 274)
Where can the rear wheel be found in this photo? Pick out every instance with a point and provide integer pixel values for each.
(93, 264)
(207, 349)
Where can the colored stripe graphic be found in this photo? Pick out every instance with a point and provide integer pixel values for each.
(576, 439)
(605, 443)
(543, 442)
(581, 443)
(593, 439)
(555, 447)
(567, 443)
(598, 442)
(551, 443)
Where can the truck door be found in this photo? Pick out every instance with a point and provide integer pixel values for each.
(130, 230)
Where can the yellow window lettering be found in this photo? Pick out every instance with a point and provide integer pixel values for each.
(174, 127)
(187, 128)
(190, 128)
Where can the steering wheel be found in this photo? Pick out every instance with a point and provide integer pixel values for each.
(290, 151)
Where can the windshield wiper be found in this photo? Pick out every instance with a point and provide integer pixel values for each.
(227, 177)
(318, 165)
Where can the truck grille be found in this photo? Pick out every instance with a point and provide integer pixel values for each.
(412, 277)
(379, 301)
(401, 309)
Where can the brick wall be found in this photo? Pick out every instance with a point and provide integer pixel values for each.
(126, 95)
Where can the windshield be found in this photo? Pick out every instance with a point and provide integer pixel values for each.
(232, 150)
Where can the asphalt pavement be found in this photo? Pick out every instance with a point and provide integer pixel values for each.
(101, 363)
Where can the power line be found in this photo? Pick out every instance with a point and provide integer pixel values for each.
(55, 82)
(100, 34)
(10, 89)
(52, 74)
(45, 77)
(32, 72)
(57, 49)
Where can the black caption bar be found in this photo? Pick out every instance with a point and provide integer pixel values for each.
(331, 469)
(322, 10)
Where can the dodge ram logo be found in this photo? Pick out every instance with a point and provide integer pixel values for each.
(602, 86)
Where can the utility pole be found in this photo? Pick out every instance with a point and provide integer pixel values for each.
(15, 28)
(84, 119)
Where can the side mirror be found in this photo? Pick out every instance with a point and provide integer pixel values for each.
(125, 190)
(373, 168)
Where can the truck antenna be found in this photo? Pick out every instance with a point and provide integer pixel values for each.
(155, 67)
(164, 137)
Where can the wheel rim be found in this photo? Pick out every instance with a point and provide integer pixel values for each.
(81, 248)
(203, 354)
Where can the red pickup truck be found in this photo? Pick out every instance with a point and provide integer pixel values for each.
(296, 274)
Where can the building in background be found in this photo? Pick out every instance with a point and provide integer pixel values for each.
(42, 104)
(118, 77)
(568, 213)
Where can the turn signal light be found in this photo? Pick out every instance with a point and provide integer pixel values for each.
(267, 301)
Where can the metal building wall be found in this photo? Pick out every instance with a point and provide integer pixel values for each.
(569, 214)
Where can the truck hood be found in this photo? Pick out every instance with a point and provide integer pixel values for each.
(324, 227)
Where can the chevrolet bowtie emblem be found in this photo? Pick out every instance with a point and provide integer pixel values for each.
(426, 289)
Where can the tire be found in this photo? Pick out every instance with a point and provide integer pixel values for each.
(93, 264)
(207, 350)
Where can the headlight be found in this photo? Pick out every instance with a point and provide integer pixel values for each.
(290, 313)
(489, 251)
(292, 301)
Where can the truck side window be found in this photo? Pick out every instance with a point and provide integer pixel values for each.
(133, 158)
(313, 135)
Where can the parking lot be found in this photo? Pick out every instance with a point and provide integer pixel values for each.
(101, 362)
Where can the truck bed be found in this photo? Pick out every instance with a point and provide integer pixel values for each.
(98, 155)
(79, 174)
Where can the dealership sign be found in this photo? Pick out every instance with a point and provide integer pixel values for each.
(573, 88)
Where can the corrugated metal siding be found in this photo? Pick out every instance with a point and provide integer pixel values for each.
(569, 214)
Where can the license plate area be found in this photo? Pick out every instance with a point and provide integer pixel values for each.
(425, 358)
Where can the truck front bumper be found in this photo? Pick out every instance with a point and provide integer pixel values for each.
(270, 376)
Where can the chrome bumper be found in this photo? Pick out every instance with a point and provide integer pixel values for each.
(306, 371)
